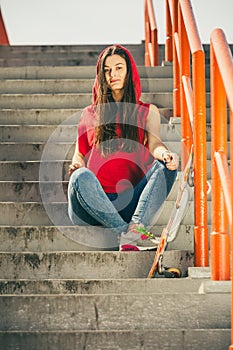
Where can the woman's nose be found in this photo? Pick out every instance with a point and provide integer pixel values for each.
(112, 72)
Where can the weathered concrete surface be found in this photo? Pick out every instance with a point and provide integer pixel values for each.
(72, 100)
(199, 272)
(73, 85)
(45, 214)
(66, 72)
(64, 133)
(32, 151)
(101, 286)
(33, 191)
(114, 312)
(53, 116)
(208, 286)
(73, 55)
(46, 238)
(91, 265)
(170, 339)
(51, 238)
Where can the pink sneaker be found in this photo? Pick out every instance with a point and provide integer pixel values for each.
(138, 239)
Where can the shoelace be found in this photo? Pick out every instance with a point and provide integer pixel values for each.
(144, 231)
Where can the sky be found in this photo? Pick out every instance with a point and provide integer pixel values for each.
(51, 22)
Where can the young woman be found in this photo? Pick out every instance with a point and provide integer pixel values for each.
(121, 172)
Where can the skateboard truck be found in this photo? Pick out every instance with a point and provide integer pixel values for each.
(168, 272)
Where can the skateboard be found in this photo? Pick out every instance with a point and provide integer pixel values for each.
(170, 231)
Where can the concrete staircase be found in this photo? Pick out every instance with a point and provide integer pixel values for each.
(66, 287)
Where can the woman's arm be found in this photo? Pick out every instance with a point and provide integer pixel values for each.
(77, 160)
(156, 146)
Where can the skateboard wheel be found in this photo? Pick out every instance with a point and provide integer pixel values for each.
(172, 272)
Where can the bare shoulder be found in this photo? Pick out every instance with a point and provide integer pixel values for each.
(153, 109)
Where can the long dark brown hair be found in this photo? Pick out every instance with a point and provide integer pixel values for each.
(107, 110)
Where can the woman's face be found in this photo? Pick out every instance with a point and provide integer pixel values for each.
(115, 70)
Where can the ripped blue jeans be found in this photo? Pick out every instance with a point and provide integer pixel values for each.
(88, 204)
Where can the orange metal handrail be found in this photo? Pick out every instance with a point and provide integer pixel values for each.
(187, 87)
(151, 35)
(221, 69)
(3, 33)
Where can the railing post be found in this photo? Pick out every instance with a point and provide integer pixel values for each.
(154, 42)
(220, 240)
(201, 244)
(173, 6)
(151, 35)
(169, 35)
(147, 34)
(199, 132)
(186, 129)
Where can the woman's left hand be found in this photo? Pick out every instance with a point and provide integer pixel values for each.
(171, 160)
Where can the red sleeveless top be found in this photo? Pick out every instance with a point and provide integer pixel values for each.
(120, 170)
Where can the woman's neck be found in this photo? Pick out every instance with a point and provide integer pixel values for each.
(117, 95)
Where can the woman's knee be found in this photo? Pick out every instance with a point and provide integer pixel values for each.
(81, 175)
(165, 175)
(170, 179)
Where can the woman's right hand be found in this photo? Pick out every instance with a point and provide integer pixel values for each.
(73, 167)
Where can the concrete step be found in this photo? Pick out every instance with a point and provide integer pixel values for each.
(195, 339)
(39, 116)
(30, 191)
(49, 170)
(54, 238)
(79, 60)
(83, 72)
(87, 264)
(139, 286)
(52, 117)
(68, 56)
(72, 238)
(114, 312)
(36, 213)
(65, 133)
(66, 116)
(74, 59)
(99, 286)
(57, 49)
(34, 171)
(73, 85)
(73, 100)
(26, 152)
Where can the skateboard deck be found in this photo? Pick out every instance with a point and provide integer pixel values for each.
(170, 231)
